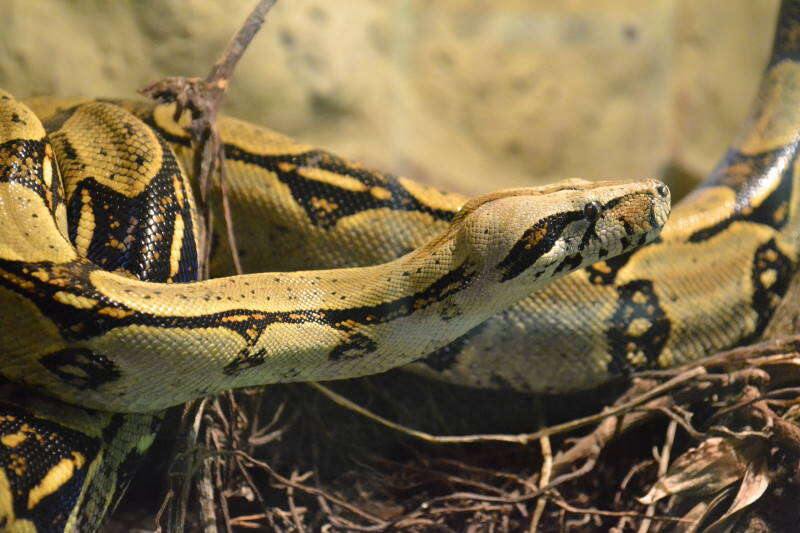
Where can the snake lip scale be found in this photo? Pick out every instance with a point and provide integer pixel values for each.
(102, 325)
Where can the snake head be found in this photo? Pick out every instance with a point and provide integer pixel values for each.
(542, 233)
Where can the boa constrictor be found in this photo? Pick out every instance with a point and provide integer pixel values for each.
(710, 281)
(98, 235)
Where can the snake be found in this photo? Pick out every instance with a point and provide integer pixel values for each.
(102, 309)
(93, 302)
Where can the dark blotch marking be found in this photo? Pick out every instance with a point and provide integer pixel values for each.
(67, 151)
(570, 262)
(245, 361)
(534, 243)
(447, 356)
(772, 272)
(746, 175)
(45, 445)
(636, 300)
(449, 311)
(81, 368)
(355, 346)
(605, 272)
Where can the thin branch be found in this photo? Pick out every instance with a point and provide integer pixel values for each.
(546, 472)
(203, 99)
(632, 514)
(223, 69)
(663, 464)
(311, 490)
(522, 438)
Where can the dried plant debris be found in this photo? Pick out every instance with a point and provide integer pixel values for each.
(714, 468)
(717, 453)
(733, 448)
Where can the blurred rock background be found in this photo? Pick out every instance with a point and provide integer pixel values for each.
(465, 94)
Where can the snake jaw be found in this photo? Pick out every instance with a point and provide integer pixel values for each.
(632, 220)
(547, 232)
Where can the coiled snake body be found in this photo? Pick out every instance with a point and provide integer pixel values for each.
(76, 323)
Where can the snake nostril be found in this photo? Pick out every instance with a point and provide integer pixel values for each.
(662, 190)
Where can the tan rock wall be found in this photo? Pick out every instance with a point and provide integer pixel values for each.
(470, 94)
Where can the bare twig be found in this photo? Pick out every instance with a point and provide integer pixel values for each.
(311, 490)
(248, 521)
(161, 509)
(663, 464)
(522, 438)
(203, 98)
(205, 492)
(567, 507)
(546, 472)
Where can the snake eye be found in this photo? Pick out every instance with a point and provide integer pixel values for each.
(592, 210)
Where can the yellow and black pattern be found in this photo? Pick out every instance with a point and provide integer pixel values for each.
(131, 187)
(709, 282)
(113, 331)
(43, 467)
(93, 312)
(63, 468)
(67, 467)
(84, 330)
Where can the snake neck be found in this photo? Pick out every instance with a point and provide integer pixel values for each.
(756, 180)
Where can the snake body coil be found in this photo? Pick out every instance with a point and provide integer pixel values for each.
(98, 235)
(711, 281)
(76, 322)
(261, 328)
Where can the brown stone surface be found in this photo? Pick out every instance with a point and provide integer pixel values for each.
(468, 94)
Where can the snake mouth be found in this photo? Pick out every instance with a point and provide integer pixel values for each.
(587, 233)
(631, 224)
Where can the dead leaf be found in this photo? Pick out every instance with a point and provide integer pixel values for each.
(754, 484)
(716, 463)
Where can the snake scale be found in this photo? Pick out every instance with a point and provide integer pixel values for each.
(100, 244)
(97, 317)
